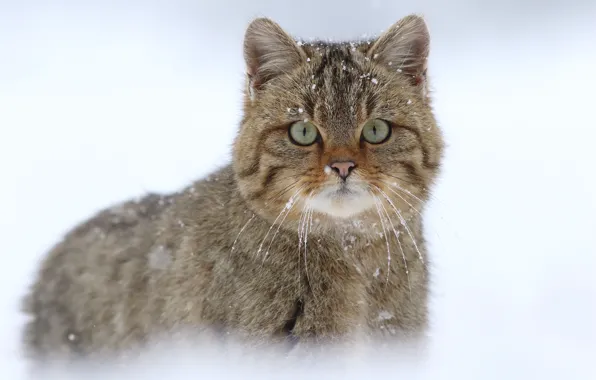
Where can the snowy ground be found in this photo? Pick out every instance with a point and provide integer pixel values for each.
(100, 102)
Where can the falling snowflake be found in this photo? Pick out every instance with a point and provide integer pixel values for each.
(159, 258)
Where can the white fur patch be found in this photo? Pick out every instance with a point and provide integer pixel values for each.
(339, 203)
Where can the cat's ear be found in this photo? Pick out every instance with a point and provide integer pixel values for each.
(404, 48)
(269, 52)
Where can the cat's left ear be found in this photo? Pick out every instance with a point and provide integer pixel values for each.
(404, 48)
(269, 52)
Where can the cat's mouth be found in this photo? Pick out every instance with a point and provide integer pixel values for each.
(342, 200)
(344, 191)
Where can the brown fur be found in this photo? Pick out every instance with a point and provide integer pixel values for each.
(211, 256)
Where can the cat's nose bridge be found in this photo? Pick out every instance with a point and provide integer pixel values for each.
(343, 152)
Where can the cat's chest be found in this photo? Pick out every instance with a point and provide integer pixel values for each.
(324, 285)
(347, 257)
(369, 280)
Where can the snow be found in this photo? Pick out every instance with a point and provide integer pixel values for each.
(159, 257)
(102, 102)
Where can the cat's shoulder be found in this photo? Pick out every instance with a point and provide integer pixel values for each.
(124, 215)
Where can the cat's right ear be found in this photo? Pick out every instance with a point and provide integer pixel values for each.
(405, 47)
(269, 52)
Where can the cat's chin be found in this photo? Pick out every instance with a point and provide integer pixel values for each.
(342, 202)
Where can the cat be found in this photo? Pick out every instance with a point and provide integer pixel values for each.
(313, 233)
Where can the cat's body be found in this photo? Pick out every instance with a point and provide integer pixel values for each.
(260, 248)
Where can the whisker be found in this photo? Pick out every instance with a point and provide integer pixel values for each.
(377, 200)
(302, 231)
(278, 228)
(280, 224)
(409, 204)
(287, 209)
(403, 222)
(397, 233)
(301, 222)
(408, 192)
(403, 199)
(242, 230)
(308, 223)
(405, 173)
(281, 192)
(408, 181)
(300, 234)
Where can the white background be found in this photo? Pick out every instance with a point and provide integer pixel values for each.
(103, 100)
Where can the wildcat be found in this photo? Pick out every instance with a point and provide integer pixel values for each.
(313, 233)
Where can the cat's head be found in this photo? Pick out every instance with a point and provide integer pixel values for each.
(340, 128)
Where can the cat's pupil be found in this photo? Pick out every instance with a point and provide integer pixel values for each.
(304, 132)
(375, 129)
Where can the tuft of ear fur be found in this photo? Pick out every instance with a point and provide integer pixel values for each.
(269, 52)
(404, 48)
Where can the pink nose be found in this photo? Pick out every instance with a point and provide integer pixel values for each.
(343, 168)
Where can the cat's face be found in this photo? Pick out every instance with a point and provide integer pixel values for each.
(342, 129)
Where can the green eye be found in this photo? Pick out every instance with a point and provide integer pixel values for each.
(376, 131)
(303, 133)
